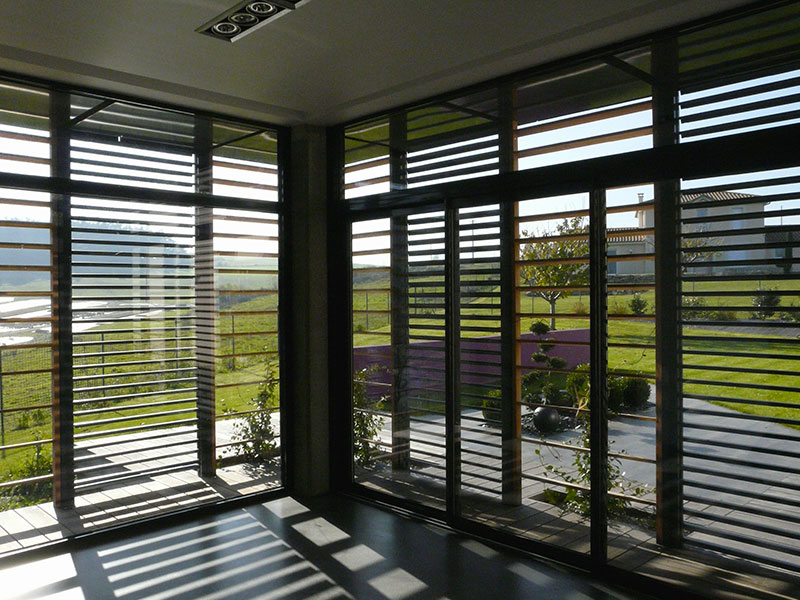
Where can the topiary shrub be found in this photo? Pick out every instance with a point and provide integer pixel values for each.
(635, 393)
(555, 396)
(545, 384)
(539, 328)
(616, 393)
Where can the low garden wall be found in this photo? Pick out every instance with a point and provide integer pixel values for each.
(426, 359)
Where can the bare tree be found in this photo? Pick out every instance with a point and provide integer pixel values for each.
(557, 263)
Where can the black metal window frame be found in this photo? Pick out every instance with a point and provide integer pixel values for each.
(664, 165)
(61, 188)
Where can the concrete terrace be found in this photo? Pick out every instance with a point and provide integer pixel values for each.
(632, 543)
(171, 490)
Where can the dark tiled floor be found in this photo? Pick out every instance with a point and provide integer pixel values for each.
(34, 525)
(288, 549)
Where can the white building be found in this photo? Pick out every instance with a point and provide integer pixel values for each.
(714, 213)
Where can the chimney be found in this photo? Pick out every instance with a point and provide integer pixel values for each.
(641, 196)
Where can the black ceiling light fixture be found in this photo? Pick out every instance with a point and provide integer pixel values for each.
(246, 17)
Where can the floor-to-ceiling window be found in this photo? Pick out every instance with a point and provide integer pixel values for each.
(139, 286)
(572, 305)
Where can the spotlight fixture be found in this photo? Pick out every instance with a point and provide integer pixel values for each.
(261, 9)
(246, 17)
(226, 29)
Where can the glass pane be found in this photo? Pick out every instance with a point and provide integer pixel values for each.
(245, 162)
(26, 391)
(479, 366)
(453, 140)
(549, 500)
(247, 375)
(366, 158)
(740, 283)
(24, 130)
(630, 234)
(114, 142)
(482, 405)
(399, 356)
(135, 395)
(595, 109)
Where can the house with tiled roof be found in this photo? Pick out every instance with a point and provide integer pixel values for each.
(738, 218)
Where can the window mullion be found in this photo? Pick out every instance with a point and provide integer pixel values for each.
(61, 282)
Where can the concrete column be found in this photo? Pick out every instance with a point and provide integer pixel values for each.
(307, 394)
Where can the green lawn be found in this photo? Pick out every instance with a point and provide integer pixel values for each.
(642, 332)
(372, 328)
(29, 390)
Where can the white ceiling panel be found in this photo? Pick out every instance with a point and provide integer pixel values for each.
(327, 61)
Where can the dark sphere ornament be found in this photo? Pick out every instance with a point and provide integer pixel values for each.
(546, 419)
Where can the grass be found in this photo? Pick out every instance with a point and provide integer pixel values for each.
(28, 390)
(717, 373)
(373, 328)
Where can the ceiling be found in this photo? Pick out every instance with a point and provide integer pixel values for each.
(327, 61)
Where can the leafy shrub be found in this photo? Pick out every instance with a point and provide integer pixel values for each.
(635, 393)
(492, 407)
(36, 463)
(577, 383)
(255, 430)
(578, 500)
(791, 315)
(617, 307)
(638, 305)
(23, 421)
(695, 308)
(616, 393)
(366, 424)
(723, 315)
(766, 302)
(39, 417)
(579, 308)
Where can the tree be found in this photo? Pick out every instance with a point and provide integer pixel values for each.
(569, 242)
(696, 250)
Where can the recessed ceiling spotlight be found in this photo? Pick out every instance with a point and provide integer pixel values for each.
(246, 17)
(225, 28)
(261, 9)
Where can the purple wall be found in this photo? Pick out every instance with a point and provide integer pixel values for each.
(426, 359)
